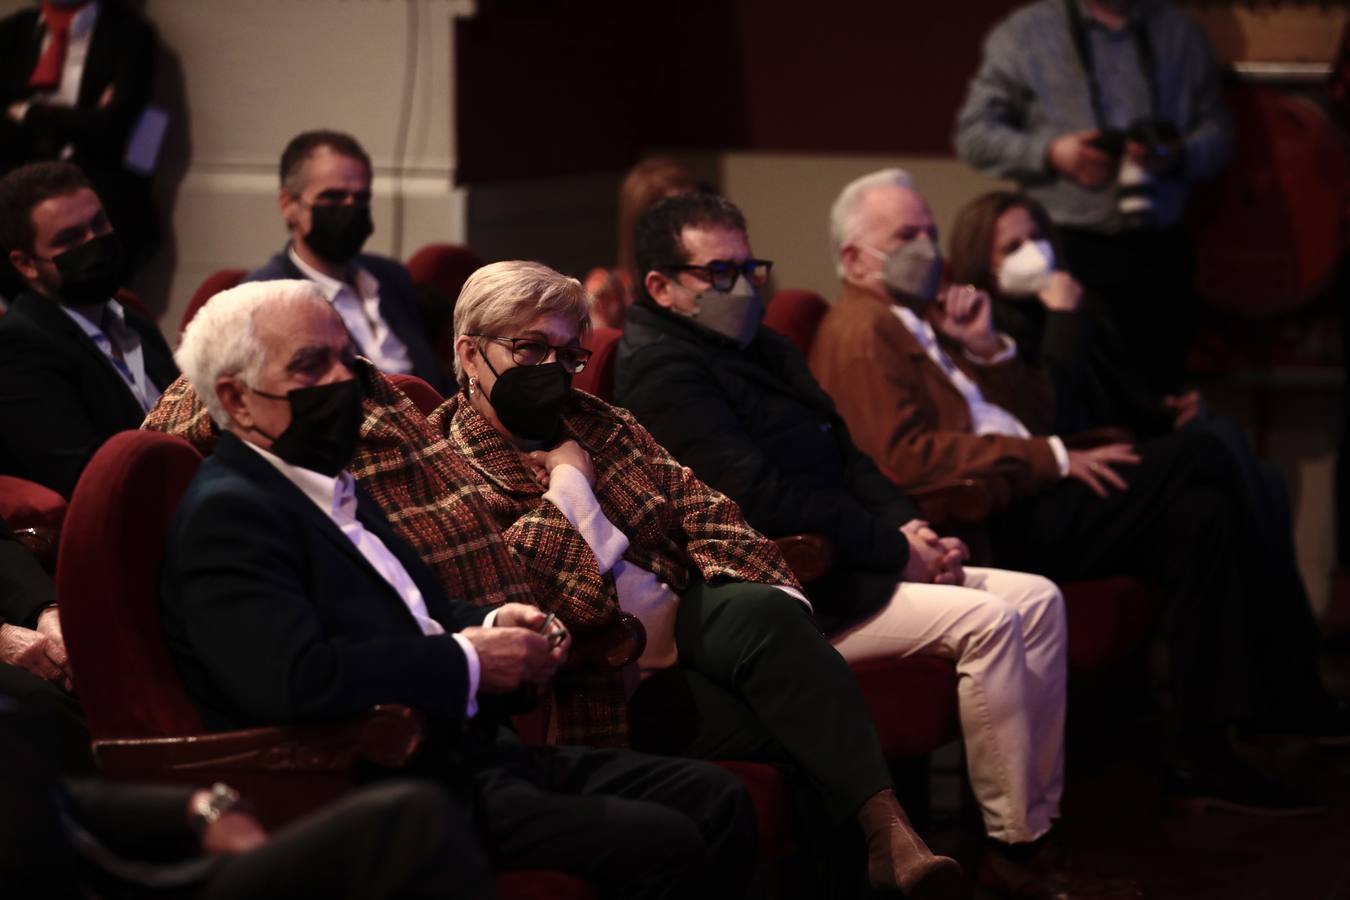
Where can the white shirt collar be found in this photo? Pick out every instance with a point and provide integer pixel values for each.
(366, 285)
(93, 327)
(335, 497)
(916, 326)
(83, 23)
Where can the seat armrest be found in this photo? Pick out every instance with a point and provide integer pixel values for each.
(810, 556)
(964, 501)
(42, 543)
(387, 736)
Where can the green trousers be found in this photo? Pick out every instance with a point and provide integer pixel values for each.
(757, 681)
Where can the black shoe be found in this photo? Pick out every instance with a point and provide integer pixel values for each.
(1045, 876)
(1231, 786)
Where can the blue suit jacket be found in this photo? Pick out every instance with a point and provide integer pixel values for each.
(273, 616)
(60, 396)
(398, 307)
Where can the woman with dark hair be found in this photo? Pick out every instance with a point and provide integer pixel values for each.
(606, 521)
(1003, 242)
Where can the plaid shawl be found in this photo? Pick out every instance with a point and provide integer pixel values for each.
(474, 514)
(678, 528)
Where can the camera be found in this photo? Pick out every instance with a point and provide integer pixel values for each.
(1134, 183)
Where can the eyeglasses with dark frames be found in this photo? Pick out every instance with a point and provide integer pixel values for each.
(722, 273)
(533, 352)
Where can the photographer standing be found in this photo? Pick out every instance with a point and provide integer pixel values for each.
(1106, 111)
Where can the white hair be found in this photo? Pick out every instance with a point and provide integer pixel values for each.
(222, 338)
(847, 208)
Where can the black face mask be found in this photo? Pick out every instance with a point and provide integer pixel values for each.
(529, 399)
(91, 272)
(337, 233)
(325, 424)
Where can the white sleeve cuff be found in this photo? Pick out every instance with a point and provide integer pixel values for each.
(569, 491)
(1008, 352)
(1061, 455)
(490, 620)
(474, 666)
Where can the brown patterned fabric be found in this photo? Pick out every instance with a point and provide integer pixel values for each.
(678, 528)
(474, 514)
(408, 469)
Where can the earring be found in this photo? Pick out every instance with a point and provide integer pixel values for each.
(473, 385)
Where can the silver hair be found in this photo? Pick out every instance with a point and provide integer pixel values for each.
(222, 337)
(845, 213)
(504, 296)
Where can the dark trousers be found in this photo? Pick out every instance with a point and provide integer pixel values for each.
(1239, 644)
(757, 681)
(632, 824)
(54, 722)
(396, 839)
(1147, 279)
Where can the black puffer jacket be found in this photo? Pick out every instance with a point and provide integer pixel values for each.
(755, 425)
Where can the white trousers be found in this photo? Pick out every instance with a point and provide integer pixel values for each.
(1006, 632)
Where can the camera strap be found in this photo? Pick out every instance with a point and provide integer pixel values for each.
(1143, 45)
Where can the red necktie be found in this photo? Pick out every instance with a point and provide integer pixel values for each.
(47, 74)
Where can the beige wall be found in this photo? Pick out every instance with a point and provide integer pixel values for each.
(787, 198)
(240, 77)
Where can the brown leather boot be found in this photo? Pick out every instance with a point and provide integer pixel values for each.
(898, 859)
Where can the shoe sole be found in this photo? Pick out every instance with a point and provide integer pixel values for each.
(941, 884)
(1218, 804)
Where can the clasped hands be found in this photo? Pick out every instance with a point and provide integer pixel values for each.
(933, 559)
(41, 651)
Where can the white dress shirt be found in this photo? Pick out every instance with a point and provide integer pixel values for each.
(360, 312)
(985, 417)
(336, 498)
(67, 93)
(112, 325)
(640, 593)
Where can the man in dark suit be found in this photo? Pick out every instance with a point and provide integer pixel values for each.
(287, 597)
(75, 366)
(325, 202)
(75, 76)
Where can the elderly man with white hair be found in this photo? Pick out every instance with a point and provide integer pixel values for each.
(933, 393)
(287, 597)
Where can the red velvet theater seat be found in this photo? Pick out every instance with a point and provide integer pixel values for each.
(1108, 619)
(439, 272)
(220, 280)
(27, 504)
(796, 314)
(35, 514)
(144, 726)
(598, 376)
(425, 397)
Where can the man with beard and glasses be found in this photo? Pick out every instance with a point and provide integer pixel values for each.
(325, 202)
(76, 367)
